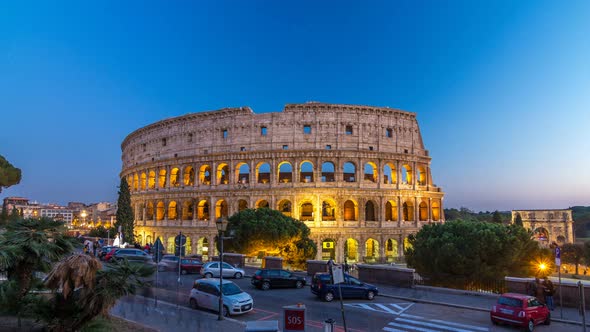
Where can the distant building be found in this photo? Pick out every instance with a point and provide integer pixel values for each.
(58, 213)
(548, 226)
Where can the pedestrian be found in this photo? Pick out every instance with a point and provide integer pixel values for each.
(548, 291)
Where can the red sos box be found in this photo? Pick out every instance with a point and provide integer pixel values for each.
(294, 318)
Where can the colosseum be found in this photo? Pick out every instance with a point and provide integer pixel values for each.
(358, 176)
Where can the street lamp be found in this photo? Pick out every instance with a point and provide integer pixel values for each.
(83, 215)
(221, 225)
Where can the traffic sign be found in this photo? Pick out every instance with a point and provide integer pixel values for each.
(180, 240)
(557, 256)
(294, 318)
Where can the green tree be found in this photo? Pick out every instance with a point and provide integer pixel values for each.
(101, 231)
(572, 253)
(14, 215)
(496, 217)
(125, 213)
(461, 252)
(9, 175)
(518, 220)
(3, 215)
(271, 231)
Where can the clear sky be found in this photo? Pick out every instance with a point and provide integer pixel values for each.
(501, 88)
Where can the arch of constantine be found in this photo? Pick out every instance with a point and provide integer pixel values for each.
(358, 176)
(548, 226)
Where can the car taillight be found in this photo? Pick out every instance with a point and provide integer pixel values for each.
(521, 314)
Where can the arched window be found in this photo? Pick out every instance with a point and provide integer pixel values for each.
(306, 211)
(406, 174)
(421, 176)
(327, 172)
(160, 208)
(370, 172)
(187, 210)
(143, 181)
(242, 205)
(351, 250)
(263, 173)
(306, 172)
(174, 181)
(370, 211)
(262, 204)
(423, 213)
(203, 210)
(285, 207)
(243, 173)
(328, 211)
(149, 211)
(162, 179)
(349, 174)
(391, 211)
(222, 174)
(205, 175)
(350, 211)
(391, 250)
(285, 172)
(389, 174)
(372, 249)
(221, 209)
(152, 180)
(172, 213)
(435, 210)
(135, 181)
(189, 176)
(408, 210)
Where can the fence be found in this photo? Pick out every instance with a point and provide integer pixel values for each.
(484, 287)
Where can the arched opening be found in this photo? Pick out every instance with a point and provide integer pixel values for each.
(306, 172)
(389, 174)
(187, 210)
(135, 182)
(542, 235)
(222, 174)
(205, 175)
(328, 249)
(174, 181)
(148, 239)
(371, 250)
(421, 176)
(160, 208)
(391, 211)
(203, 210)
(243, 173)
(350, 211)
(152, 180)
(143, 181)
(406, 174)
(370, 211)
(170, 245)
(263, 173)
(408, 211)
(435, 210)
(285, 207)
(370, 172)
(242, 205)
(306, 211)
(285, 172)
(220, 209)
(423, 211)
(188, 249)
(162, 178)
(149, 211)
(189, 176)
(328, 211)
(349, 172)
(172, 214)
(328, 172)
(262, 204)
(203, 248)
(351, 249)
(391, 251)
(561, 240)
(130, 181)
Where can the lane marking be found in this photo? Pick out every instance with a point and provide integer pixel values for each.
(391, 311)
(412, 316)
(438, 326)
(391, 329)
(412, 328)
(460, 325)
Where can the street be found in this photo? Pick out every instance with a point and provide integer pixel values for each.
(381, 314)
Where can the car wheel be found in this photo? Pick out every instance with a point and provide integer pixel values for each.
(329, 296)
(548, 319)
(194, 304)
(225, 311)
(299, 284)
(370, 295)
(183, 272)
(208, 275)
(531, 326)
(238, 275)
(265, 285)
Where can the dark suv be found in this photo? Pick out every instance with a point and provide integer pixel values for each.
(132, 255)
(276, 278)
(321, 285)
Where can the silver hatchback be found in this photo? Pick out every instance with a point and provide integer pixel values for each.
(211, 270)
(205, 294)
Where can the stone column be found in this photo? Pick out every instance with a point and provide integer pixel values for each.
(399, 211)
(414, 175)
(398, 176)
(382, 244)
(295, 173)
(400, 246)
(318, 255)
(362, 249)
(168, 177)
(416, 211)
(429, 209)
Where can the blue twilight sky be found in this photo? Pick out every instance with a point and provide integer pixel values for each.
(501, 88)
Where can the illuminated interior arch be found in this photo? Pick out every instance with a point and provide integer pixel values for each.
(389, 174)
(284, 206)
(370, 214)
(423, 211)
(406, 174)
(351, 250)
(189, 176)
(149, 213)
(222, 173)
(263, 173)
(391, 251)
(435, 210)
(135, 181)
(328, 210)
(205, 175)
(262, 203)
(221, 209)
(285, 170)
(371, 172)
(350, 211)
(162, 178)
(172, 211)
(187, 210)
(174, 177)
(242, 173)
(391, 210)
(152, 180)
(143, 181)
(421, 176)
(160, 208)
(203, 210)
(408, 210)
(372, 249)
(306, 171)
(306, 212)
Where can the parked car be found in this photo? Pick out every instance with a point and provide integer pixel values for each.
(211, 269)
(132, 255)
(276, 278)
(321, 285)
(104, 251)
(205, 294)
(168, 263)
(520, 310)
(190, 265)
(109, 255)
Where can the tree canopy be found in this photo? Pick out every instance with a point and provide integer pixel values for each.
(125, 213)
(270, 231)
(458, 252)
(9, 175)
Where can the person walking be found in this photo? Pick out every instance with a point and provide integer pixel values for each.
(548, 291)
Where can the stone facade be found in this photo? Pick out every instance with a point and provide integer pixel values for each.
(548, 226)
(358, 176)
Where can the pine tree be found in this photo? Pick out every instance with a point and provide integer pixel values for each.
(125, 213)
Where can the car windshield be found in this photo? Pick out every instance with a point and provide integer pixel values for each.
(231, 289)
(509, 301)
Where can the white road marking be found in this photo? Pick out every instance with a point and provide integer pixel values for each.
(460, 325)
(437, 326)
(391, 329)
(413, 328)
(388, 308)
(412, 316)
(384, 307)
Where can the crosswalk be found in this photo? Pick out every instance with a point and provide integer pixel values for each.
(406, 322)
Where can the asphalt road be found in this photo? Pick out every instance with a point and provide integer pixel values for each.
(381, 314)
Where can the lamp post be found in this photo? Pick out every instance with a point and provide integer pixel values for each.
(221, 225)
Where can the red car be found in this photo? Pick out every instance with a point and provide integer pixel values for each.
(520, 310)
(188, 265)
(109, 255)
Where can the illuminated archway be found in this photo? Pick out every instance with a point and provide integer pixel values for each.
(421, 176)
(152, 180)
(263, 173)
(435, 210)
(391, 211)
(391, 250)
(306, 211)
(149, 211)
(222, 174)
(370, 211)
(285, 172)
(262, 203)
(351, 250)
(406, 174)
(350, 211)
(162, 178)
(170, 245)
(205, 175)
(160, 209)
(135, 182)
(203, 248)
(328, 249)
(371, 250)
(371, 172)
(328, 210)
(221, 209)
(189, 176)
(242, 173)
(284, 207)
(423, 212)
(143, 181)
(306, 172)
(187, 210)
(203, 210)
(408, 211)
(172, 211)
(174, 177)
(389, 174)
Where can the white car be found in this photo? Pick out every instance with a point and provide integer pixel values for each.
(205, 294)
(211, 269)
